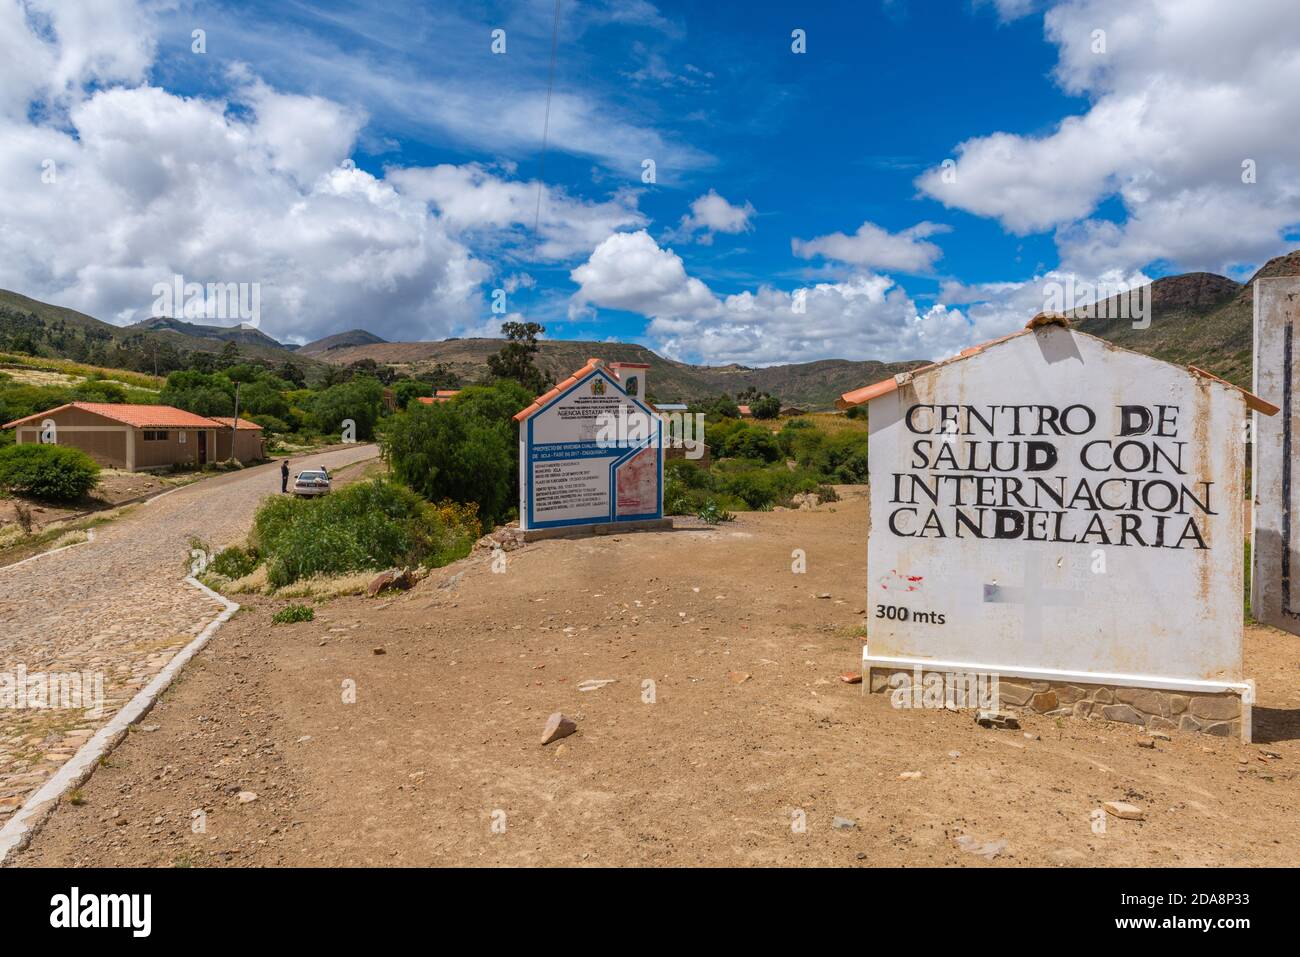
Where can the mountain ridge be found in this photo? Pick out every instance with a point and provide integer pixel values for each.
(1198, 318)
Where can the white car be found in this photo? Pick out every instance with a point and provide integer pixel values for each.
(311, 482)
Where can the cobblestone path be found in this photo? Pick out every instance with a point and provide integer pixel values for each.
(117, 608)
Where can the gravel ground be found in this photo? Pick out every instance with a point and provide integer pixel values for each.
(743, 750)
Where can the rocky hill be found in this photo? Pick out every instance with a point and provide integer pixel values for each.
(353, 337)
(1199, 318)
(807, 383)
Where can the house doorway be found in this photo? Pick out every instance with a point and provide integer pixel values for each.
(203, 448)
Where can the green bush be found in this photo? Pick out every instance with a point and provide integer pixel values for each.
(17, 401)
(54, 472)
(712, 514)
(465, 450)
(359, 400)
(370, 525)
(235, 562)
(99, 390)
(270, 423)
(293, 613)
(732, 438)
(688, 473)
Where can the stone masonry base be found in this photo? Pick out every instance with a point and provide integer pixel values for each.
(1218, 714)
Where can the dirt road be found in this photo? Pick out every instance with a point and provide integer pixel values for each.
(116, 607)
(725, 738)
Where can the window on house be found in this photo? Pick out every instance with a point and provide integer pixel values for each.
(180, 438)
(152, 436)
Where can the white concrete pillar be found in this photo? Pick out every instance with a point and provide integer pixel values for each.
(130, 449)
(1275, 537)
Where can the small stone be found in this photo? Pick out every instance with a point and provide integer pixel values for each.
(392, 578)
(1014, 694)
(851, 677)
(910, 775)
(1159, 736)
(1143, 699)
(985, 849)
(824, 594)
(304, 739)
(1146, 743)
(1031, 736)
(379, 651)
(844, 824)
(558, 726)
(1043, 701)
(1123, 810)
(246, 797)
(1220, 708)
(595, 684)
(148, 727)
(739, 677)
(1122, 712)
(996, 719)
(954, 754)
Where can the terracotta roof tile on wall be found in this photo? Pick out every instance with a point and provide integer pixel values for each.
(137, 416)
(225, 420)
(885, 386)
(547, 396)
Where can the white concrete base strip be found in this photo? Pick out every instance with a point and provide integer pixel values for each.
(90, 537)
(1246, 689)
(22, 826)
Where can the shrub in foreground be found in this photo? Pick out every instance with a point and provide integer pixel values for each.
(293, 613)
(369, 525)
(54, 472)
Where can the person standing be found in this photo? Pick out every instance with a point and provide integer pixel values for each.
(284, 476)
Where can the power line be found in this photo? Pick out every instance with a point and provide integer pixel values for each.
(546, 124)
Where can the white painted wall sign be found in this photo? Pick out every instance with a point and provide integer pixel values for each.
(577, 470)
(1052, 505)
(1275, 533)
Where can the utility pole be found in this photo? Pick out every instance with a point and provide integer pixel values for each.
(234, 425)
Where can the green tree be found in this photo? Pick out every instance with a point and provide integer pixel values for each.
(441, 376)
(515, 359)
(359, 400)
(230, 355)
(404, 390)
(291, 373)
(263, 398)
(466, 450)
(766, 407)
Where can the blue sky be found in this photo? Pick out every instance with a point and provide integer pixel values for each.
(376, 165)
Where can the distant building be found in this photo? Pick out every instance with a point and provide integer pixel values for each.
(442, 395)
(132, 437)
(249, 446)
(793, 410)
(745, 412)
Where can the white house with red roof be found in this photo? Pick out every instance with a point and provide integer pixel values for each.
(137, 437)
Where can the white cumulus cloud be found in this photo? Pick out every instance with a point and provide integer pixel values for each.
(1182, 94)
(874, 248)
(711, 214)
